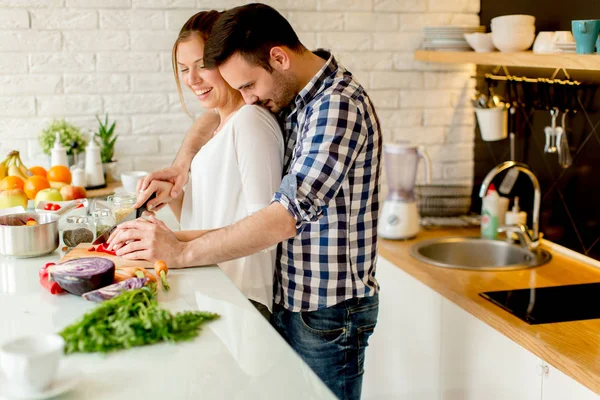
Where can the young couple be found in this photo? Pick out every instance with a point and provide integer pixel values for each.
(313, 231)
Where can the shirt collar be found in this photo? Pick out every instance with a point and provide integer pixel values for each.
(316, 84)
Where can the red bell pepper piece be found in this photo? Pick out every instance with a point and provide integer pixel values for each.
(103, 248)
(52, 287)
(92, 248)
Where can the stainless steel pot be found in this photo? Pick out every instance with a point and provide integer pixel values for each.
(20, 241)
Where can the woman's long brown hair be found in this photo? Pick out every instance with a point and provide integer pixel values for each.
(200, 24)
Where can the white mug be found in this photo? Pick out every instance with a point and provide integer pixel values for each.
(30, 363)
(130, 180)
(563, 37)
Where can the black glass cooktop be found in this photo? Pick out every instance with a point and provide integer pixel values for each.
(550, 304)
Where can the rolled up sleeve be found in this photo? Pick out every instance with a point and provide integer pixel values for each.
(328, 144)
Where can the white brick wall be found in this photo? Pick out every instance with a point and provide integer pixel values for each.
(79, 58)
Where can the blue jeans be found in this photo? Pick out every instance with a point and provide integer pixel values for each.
(332, 341)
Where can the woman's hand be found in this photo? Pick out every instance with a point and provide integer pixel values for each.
(163, 191)
(175, 176)
(147, 239)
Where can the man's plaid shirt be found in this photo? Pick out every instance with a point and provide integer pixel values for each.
(331, 187)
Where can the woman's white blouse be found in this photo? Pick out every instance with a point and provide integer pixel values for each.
(234, 175)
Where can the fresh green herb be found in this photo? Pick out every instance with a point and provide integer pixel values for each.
(133, 318)
(70, 137)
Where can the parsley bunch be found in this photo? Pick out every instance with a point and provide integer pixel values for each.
(133, 318)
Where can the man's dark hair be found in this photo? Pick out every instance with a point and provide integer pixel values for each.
(252, 30)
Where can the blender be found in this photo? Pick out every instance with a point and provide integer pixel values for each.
(399, 217)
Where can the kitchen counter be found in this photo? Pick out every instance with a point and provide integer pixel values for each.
(239, 356)
(571, 347)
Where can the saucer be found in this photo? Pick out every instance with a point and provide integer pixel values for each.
(64, 382)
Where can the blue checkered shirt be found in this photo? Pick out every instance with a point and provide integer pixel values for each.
(331, 188)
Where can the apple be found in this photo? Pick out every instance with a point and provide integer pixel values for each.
(49, 194)
(57, 185)
(69, 192)
(13, 198)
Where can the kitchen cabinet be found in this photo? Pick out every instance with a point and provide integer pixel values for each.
(478, 362)
(402, 360)
(427, 347)
(558, 386)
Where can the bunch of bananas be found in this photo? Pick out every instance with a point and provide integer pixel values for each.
(13, 166)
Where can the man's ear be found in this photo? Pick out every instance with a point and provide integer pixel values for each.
(280, 58)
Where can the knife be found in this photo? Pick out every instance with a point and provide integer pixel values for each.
(137, 212)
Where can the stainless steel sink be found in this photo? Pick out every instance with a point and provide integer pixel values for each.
(477, 254)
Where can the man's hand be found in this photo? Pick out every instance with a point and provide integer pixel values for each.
(176, 176)
(147, 239)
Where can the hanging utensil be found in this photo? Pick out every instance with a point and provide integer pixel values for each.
(550, 132)
(565, 160)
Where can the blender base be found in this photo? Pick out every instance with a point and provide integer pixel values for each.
(398, 220)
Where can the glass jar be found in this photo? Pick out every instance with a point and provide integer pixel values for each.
(122, 206)
(78, 230)
(103, 220)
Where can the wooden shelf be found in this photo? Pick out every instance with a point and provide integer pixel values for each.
(107, 191)
(589, 62)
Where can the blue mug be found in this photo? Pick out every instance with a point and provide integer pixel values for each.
(586, 34)
(598, 45)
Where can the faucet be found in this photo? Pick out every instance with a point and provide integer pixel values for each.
(531, 242)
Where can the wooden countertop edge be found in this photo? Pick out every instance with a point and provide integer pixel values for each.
(509, 325)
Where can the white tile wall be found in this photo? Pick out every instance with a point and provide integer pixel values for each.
(79, 58)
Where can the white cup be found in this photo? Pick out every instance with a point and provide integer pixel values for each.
(30, 363)
(493, 123)
(130, 180)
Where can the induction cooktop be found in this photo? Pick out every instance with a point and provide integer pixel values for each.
(550, 304)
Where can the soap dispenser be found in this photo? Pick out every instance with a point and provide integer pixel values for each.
(58, 153)
(94, 174)
(516, 216)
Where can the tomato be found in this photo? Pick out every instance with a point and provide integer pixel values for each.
(48, 206)
(55, 207)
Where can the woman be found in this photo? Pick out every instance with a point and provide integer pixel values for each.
(237, 171)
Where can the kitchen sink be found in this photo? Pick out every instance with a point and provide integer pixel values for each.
(477, 254)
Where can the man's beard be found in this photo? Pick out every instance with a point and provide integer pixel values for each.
(283, 93)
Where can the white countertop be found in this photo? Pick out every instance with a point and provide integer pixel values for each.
(239, 356)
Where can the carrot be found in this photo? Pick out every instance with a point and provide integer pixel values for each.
(161, 270)
(121, 275)
(139, 272)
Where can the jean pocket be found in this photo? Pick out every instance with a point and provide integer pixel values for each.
(364, 332)
(328, 328)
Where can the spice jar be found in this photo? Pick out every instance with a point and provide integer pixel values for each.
(122, 206)
(103, 220)
(78, 230)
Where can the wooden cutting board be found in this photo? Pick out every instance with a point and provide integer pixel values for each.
(82, 251)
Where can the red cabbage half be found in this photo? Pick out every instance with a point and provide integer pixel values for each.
(110, 291)
(82, 275)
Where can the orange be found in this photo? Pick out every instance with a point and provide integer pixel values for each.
(11, 182)
(34, 184)
(59, 173)
(39, 171)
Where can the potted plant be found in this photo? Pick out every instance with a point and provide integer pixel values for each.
(70, 137)
(106, 139)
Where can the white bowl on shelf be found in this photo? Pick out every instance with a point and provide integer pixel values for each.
(513, 29)
(480, 42)
(514, 19)
(508, 42)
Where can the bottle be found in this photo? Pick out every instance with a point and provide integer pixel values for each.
(516, 216)
(94, 174)
(489, 214)
(58, 153)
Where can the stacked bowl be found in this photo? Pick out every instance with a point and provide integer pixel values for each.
(511, 33)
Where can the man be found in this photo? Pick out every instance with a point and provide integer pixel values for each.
(324, 215)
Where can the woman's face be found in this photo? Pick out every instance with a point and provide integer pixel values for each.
(208, 85)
